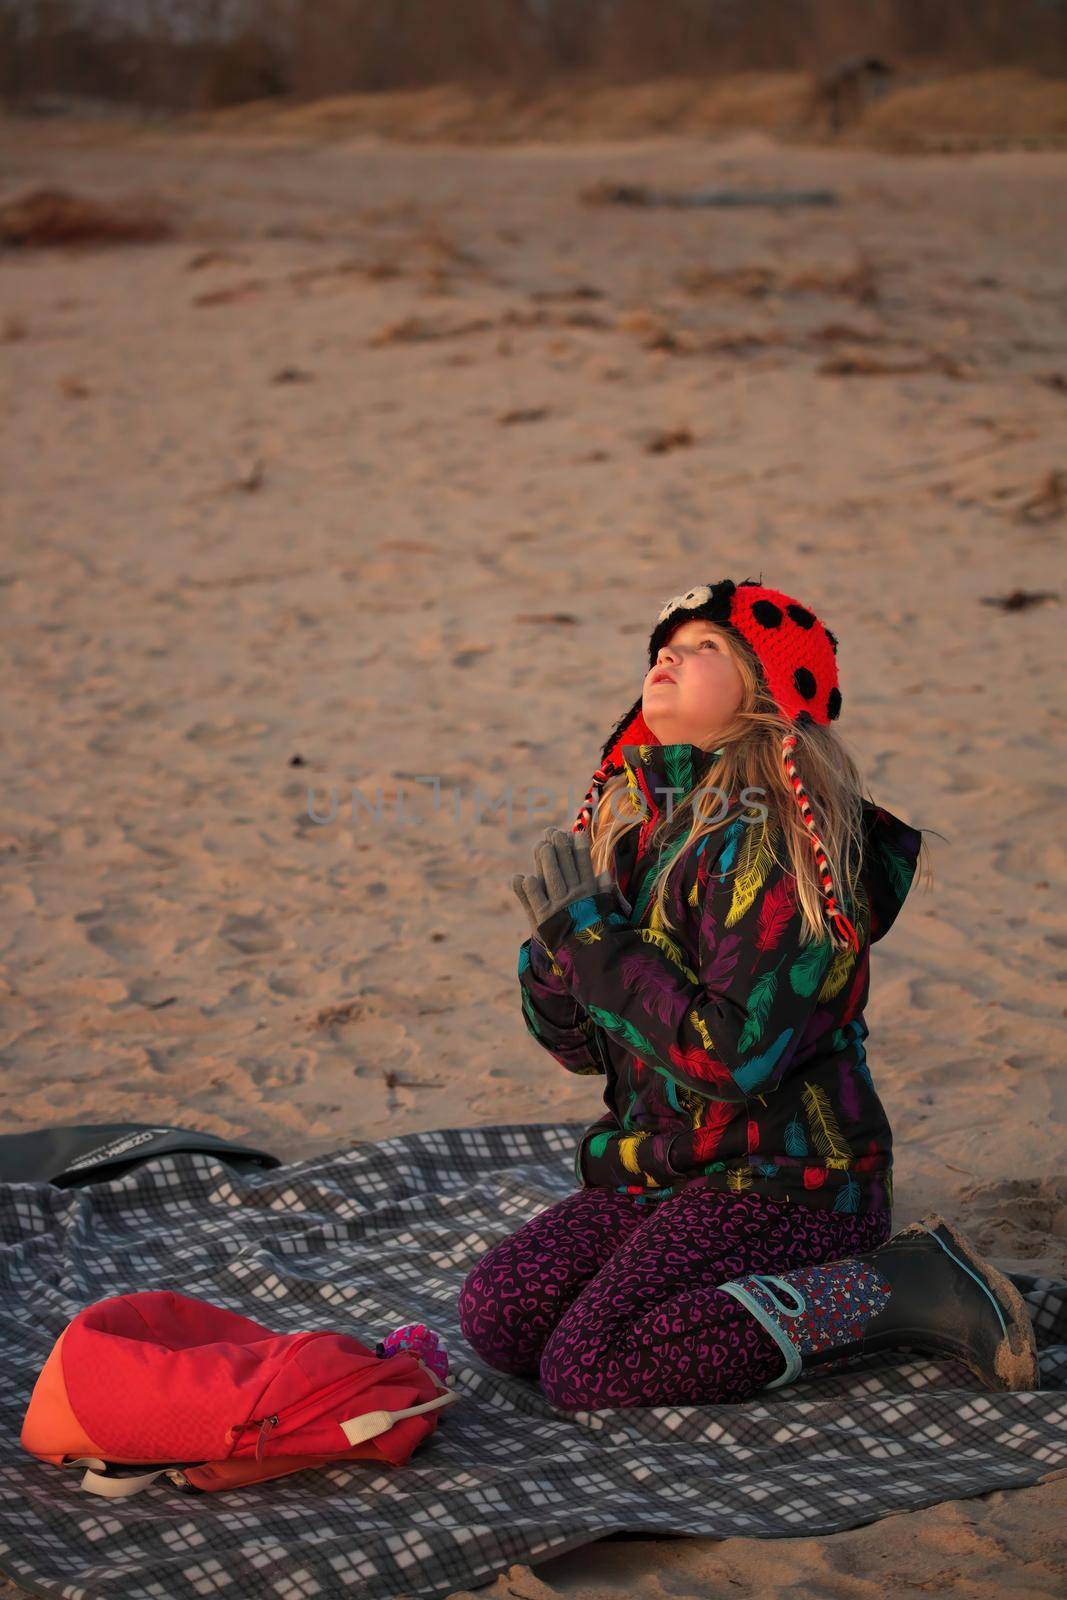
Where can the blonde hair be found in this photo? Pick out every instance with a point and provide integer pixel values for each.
(752, 757)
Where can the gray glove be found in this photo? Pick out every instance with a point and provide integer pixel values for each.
(565, 873)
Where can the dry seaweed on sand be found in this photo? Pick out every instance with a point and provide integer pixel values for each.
(605, 193)
(44, 218)
(1019, 599)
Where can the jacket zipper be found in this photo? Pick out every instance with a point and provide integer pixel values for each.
(267, 1423)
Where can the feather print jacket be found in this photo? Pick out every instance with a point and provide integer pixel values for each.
(733, 1054)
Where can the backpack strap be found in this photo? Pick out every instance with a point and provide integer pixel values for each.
(371, 1423)
(112, 1482)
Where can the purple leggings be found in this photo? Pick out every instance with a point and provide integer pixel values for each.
(609, 1303)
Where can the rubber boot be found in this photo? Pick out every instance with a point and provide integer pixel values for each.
(926, 1288)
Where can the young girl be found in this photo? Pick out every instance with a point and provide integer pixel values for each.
(701, 937)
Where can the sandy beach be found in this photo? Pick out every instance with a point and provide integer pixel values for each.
(369, 477)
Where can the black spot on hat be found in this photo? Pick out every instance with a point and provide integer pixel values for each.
(801, 615)
(832, 638)
(833, 703)
(767, 613)
(803, 717)
(804, 683)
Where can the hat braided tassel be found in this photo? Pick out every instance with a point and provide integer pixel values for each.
(841, 928)
(592, 795)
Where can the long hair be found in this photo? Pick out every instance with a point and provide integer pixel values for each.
(752, 760)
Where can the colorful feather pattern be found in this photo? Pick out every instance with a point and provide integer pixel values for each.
(826, 1136)
(631, 1037)
(855, 993)
(709, 1137)
(796, 1140)
(756, 861)
(666, 856)
(694, 1105)
(760, 1000)
(644, 895)
(657, 990)
(758, 1068)
(627, 1149)
(848, 1196)
(777, 907)
(720, 970)
(679, 768)
(809, 966)
(628, 1114)
(871, 1159)
(837, 976)
(584, 914)
(899, 870)
(697, 1063)
(564, 964)
(731, 843)
(669, 947)
(848, 1097)
(861, 913)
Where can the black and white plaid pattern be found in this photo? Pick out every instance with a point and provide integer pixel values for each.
(379, 1234)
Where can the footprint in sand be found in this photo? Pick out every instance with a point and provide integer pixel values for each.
(126, 931)
(1023, 1217)
(225, 732)
(251, 935)
(280, 983)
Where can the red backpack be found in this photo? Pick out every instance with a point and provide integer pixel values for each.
(215, 1400)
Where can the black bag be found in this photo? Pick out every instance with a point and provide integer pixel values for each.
(95, 1152)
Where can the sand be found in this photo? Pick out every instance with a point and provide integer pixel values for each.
(352, 480)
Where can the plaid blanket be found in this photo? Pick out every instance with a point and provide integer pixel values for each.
(384, 1233)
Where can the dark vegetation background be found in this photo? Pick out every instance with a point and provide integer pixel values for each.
(190, 55)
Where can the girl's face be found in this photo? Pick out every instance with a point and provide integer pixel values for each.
(703, 690)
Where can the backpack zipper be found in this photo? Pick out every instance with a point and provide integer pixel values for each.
(266, 1424)
(269, 1421)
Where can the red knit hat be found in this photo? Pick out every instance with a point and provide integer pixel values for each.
(797, 655)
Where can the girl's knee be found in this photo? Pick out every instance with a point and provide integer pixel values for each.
(499, 1321)
(571, 1370)
(479, 1306)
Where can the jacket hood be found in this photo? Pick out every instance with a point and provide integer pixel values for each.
(891, 855)
(662, 773)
